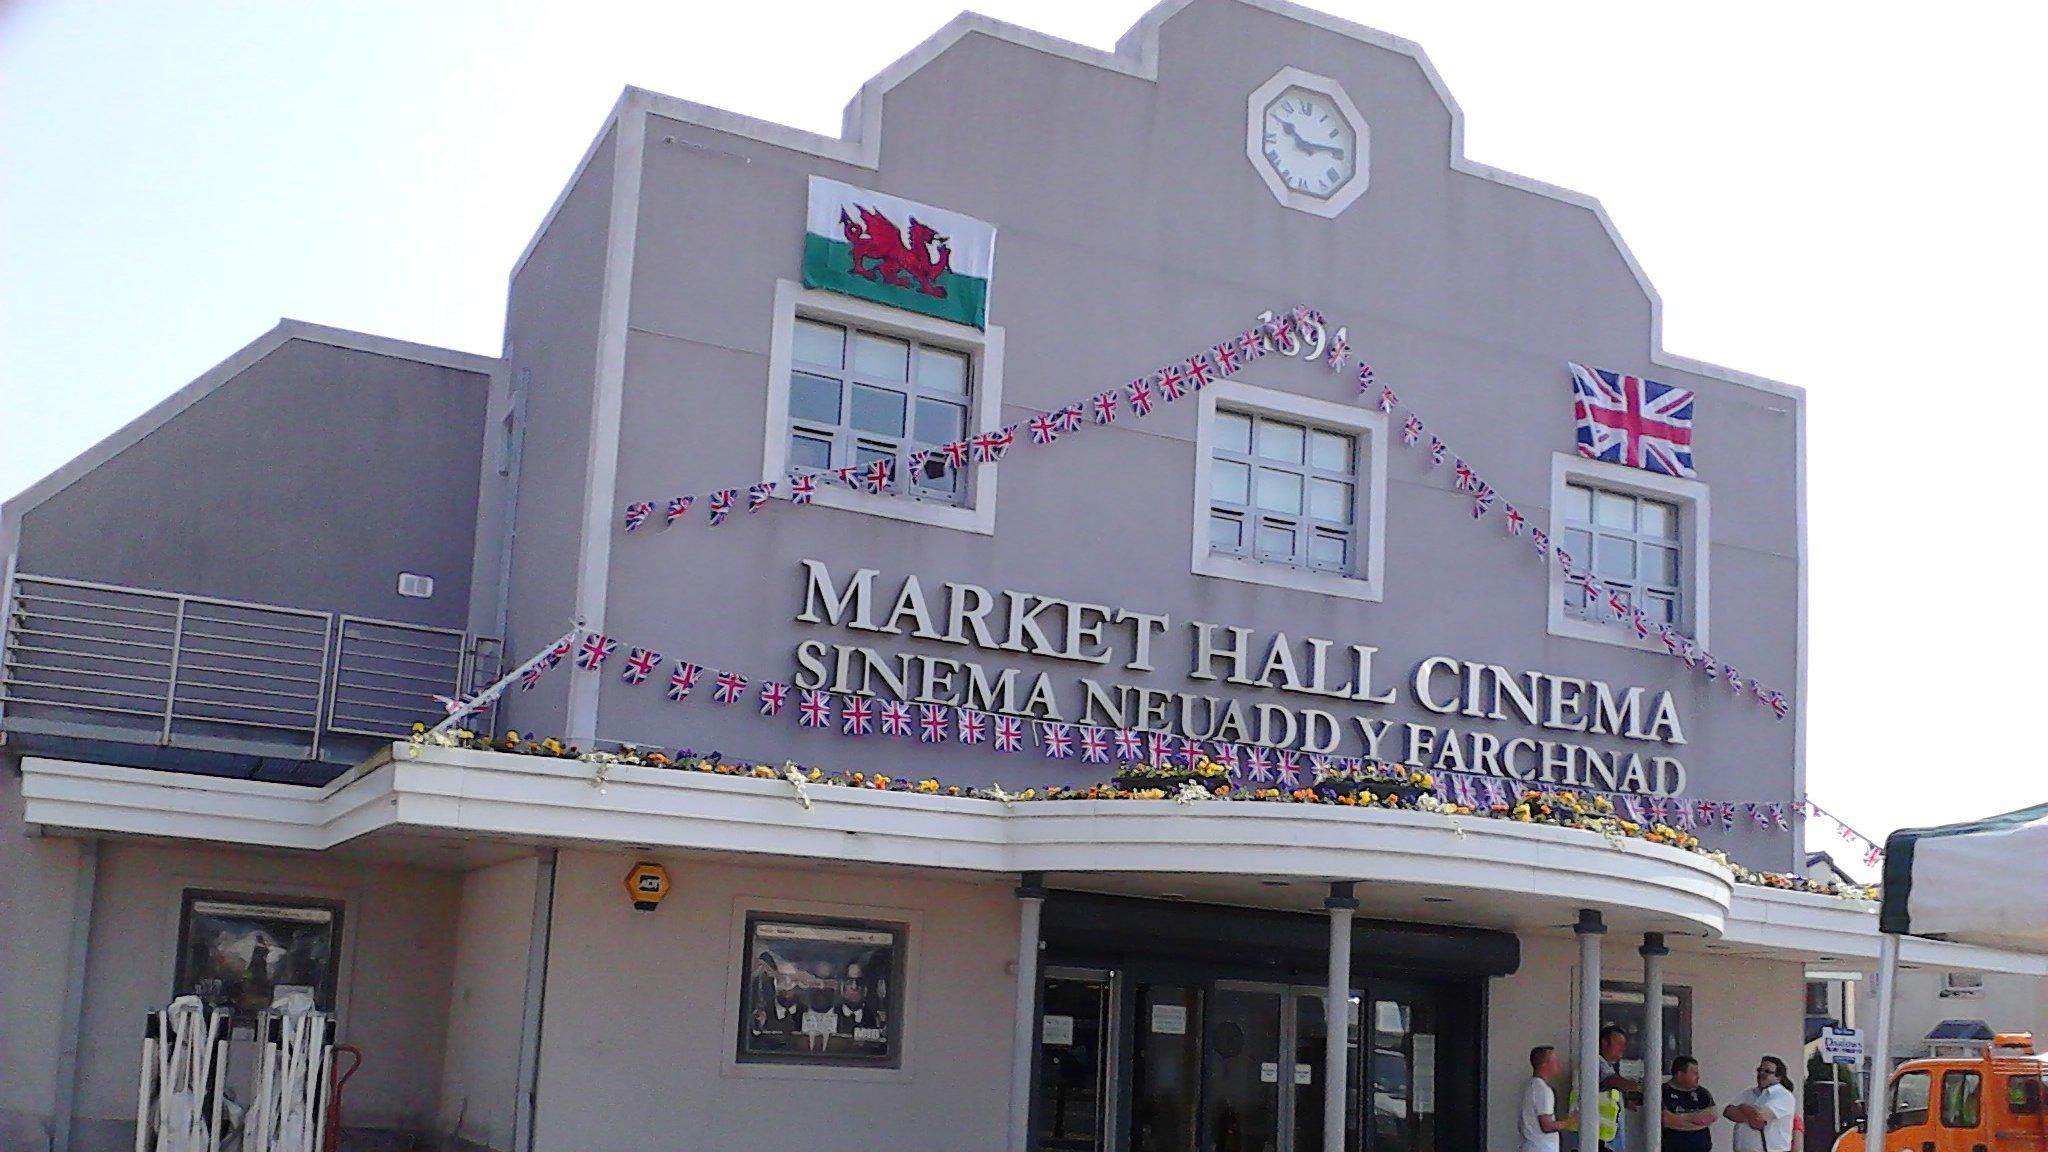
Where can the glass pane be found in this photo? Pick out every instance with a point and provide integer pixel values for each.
(877, 410)
(813, 398)
(1279, 441)
(1909, 1100)
(1611, 510)
(1330, 500)
(881, 356)
(941, 371)
(809, 452)
(1579, 544)
(1241, 1086)
(939, 422)
(1660, 520)
(1311, 1032)
(869, 453)
(1230, 483)
(946, 484)
(1660, 565)
(1276, 542)
(820, 344)
(1330, 452)
(1390, 1079)
(1072, 1072)
(1233, 433)
(1575, 596)
(1578, 504)
(1329, 550)
(1660, 609)
(1226, 532)
(1279, 491)
(1614, 558)
(1166, 1066)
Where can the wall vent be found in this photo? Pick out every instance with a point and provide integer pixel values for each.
(415, 585)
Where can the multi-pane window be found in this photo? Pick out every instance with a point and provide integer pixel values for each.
(1631, 543)
(857, 396)
(1284, 492)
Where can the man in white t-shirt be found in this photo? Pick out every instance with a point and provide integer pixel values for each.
(1538, 1120)
(1763, 1115)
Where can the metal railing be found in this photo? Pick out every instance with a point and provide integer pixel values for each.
(102, 661)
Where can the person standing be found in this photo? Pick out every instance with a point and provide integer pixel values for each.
(1763, 1115)
(1613, 1043)
(1688, 1109)
(1538, 1120)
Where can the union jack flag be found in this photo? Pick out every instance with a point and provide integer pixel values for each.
(1009, 734)
(727, 688)
(990, 446)
(1670, 638)
(773, 696)
(1068, 419)
(1259, 767)
(1172, 382)
(875, 478)
(1277, 330)
(530, 679)
(1728, 816)
(1759, 814)
(1056, 740)
(1104, 406)
(1871, 857)
(1465, 477)
(848, 475)
(1411, 430)
(1365, 379)
(1141, 396)
(1200, 374)
(1713, 669)
(559, 653)
(1734, 681)
(814, 710)
(1167, 748)
(1226, 755)
(1130, 748)
(1340, 351)
(955, 453)
(1634, 421)
(802, 486)
(1481, 501)
(677, 506)
(895, 718)
(682, 680)
(1592, 586)
(1642, 624)
(1437, 448)
(1044, 430)
(1288, 769)
(1251, 345)
(1387, 400)
(972, 725)
(1226, 357)
(1094, 745)
(1540, 540)
(640, 664)
(758, 495)
(595, 648)
(637, 514)
(721, 504)
(1689, 652)
(1515, 520)
(931, 723)
(1780, 706)
(1615, 602)
(858, 715)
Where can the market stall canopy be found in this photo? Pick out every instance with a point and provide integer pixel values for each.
(1984, 882)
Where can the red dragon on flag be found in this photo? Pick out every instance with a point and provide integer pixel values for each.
(874, 236)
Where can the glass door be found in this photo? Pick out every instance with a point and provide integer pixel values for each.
(1249, 1057)
(1401, 1073)
(1075, 1060)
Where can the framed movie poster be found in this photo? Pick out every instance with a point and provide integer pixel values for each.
(822, 992)
(239, 952)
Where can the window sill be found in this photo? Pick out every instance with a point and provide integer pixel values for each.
(1618, 634)
(979, 519)
(1286, 576)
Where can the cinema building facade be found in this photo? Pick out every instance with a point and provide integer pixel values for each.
(1013, 439)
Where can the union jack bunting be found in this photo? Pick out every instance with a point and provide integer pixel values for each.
(637, 514)
(1278, 330)
(1759, 815)
(1166, 748)
(1728, 817)
(955, 453)
(1633, 805)
(1540, 540)
(1641, 622)
(640, 664)
(1304, 316)
(1756, 689)
(1515, 520)
(758, 495)
(682, 680)
(1044, 430)
(1592, 587)
(990, 446)
(677, 506)
(875, 478)
(814, 710)
(848, 475)
(1689, 652)
(721, 504)
(1129, 747)
(595, 648)
(1226, 357)
(1481, 501)
(727, 688)
(973, 726)
(1226, 755)
(1387, 400)
(1009, 734)
(1411, 430)
(1713, 669)
(1288, 770)
(802, 486)
(559, 652)
(1437, 448)
(530, 679)
(895, 718)
(1251, 345)
(1338, 352)
(1631, 420)
(1365, 379)
(1871, 857)
(1670, 638)
(1068, 419)
(857, 716)
(1464, 477)
(1258, 766)
(1056, 740)
(1103, 407)
(1616, 603)
(1141, 397)
(1734, 680)
(1780, 707)
(1564, 560)
(1094, 745)
(1172, 382)
(773, 696)
(931, 723)
(1199, 373)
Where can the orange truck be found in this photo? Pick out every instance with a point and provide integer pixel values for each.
(1995, 1101)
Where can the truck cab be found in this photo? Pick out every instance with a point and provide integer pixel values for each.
(1995, 1101)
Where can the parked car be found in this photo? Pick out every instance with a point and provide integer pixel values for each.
(1994, 1101)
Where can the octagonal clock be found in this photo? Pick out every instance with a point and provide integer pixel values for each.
(1307, 141)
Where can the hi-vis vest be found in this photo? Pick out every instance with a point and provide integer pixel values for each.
(1610, 1112)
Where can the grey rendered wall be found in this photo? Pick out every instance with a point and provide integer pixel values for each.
(35, 942)
(551, 354)
(634, 1045)
(311, 480)
(480, 1076)
(2007, 1003)
(1132, 230)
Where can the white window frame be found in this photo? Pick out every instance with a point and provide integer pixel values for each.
(1691, 497)
(977, 513)
(1368, 515)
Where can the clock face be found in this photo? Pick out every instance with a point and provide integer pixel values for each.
(1308, 142)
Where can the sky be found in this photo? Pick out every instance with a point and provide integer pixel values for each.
(1824, 193)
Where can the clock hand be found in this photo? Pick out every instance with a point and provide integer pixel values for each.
(1309, 145)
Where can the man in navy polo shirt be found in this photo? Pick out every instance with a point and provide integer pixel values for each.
(1688, 1109)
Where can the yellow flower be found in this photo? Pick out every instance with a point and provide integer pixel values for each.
(816, 774)
(552, 745)
(418, 728)
(764, 771)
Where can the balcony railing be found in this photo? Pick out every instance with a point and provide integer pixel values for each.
(99, 661)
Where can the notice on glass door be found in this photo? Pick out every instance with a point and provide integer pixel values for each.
(1170, 1019)
(1057, 1030)
(1424, 1074)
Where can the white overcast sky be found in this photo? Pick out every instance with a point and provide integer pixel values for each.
(1838, 195)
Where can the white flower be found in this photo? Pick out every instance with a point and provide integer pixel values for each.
(602, 774)
(795, 776)
(1189, 792)
(995, 792)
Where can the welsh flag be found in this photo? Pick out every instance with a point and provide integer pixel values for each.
(898, 252)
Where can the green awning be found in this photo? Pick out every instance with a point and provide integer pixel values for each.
(1983, 882)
